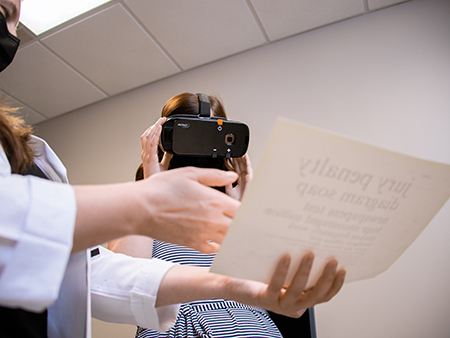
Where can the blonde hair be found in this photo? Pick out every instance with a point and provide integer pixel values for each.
(14, 138)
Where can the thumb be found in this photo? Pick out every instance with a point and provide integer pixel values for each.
(212, 177)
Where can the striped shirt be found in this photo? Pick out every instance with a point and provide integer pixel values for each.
(210, 318)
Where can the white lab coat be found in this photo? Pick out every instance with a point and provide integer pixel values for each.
(37, 220)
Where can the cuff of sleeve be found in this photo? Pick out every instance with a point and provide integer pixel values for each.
(32, 277)
(144, 295)
(124, 290)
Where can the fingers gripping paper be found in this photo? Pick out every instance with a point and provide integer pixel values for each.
(337, 197)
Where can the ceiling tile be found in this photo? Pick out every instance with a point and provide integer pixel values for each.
(288, 17)
(112, 51)
(377, 4)
(201, 31)
(29, 115)
(44, 83)
(24, 34)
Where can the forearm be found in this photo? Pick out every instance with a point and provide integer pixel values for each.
(105, 212)
(183, 284)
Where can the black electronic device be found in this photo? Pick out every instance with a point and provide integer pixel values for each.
(203, 135)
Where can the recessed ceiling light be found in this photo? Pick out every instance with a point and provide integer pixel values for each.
(41, 15)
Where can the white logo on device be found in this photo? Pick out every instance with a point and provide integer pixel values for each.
(183, 125)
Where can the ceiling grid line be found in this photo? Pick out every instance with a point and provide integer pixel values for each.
(258, 20)
(365, 5)
(158, 44)
(73, 68)
(19, 104)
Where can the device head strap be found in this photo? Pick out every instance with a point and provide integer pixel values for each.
(204, 105)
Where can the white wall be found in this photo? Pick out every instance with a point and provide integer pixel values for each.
(383, 78)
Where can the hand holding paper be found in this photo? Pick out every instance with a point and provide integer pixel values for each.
(336, 197)
(295, 299)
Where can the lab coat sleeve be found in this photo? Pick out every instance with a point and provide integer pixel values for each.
(37, 219)
(124, 290)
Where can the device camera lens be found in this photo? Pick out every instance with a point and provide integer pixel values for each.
(229, 139)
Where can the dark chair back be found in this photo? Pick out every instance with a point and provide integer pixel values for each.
(303, 327)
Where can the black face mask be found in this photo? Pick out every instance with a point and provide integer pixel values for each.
(8, 44)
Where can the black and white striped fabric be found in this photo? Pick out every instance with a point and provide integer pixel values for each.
(211, 318)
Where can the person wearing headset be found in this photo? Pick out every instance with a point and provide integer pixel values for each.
(215, 317)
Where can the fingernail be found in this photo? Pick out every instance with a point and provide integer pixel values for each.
(308, 259)
(286, 260)
(333, 266)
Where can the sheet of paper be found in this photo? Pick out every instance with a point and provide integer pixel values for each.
(338, 197)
